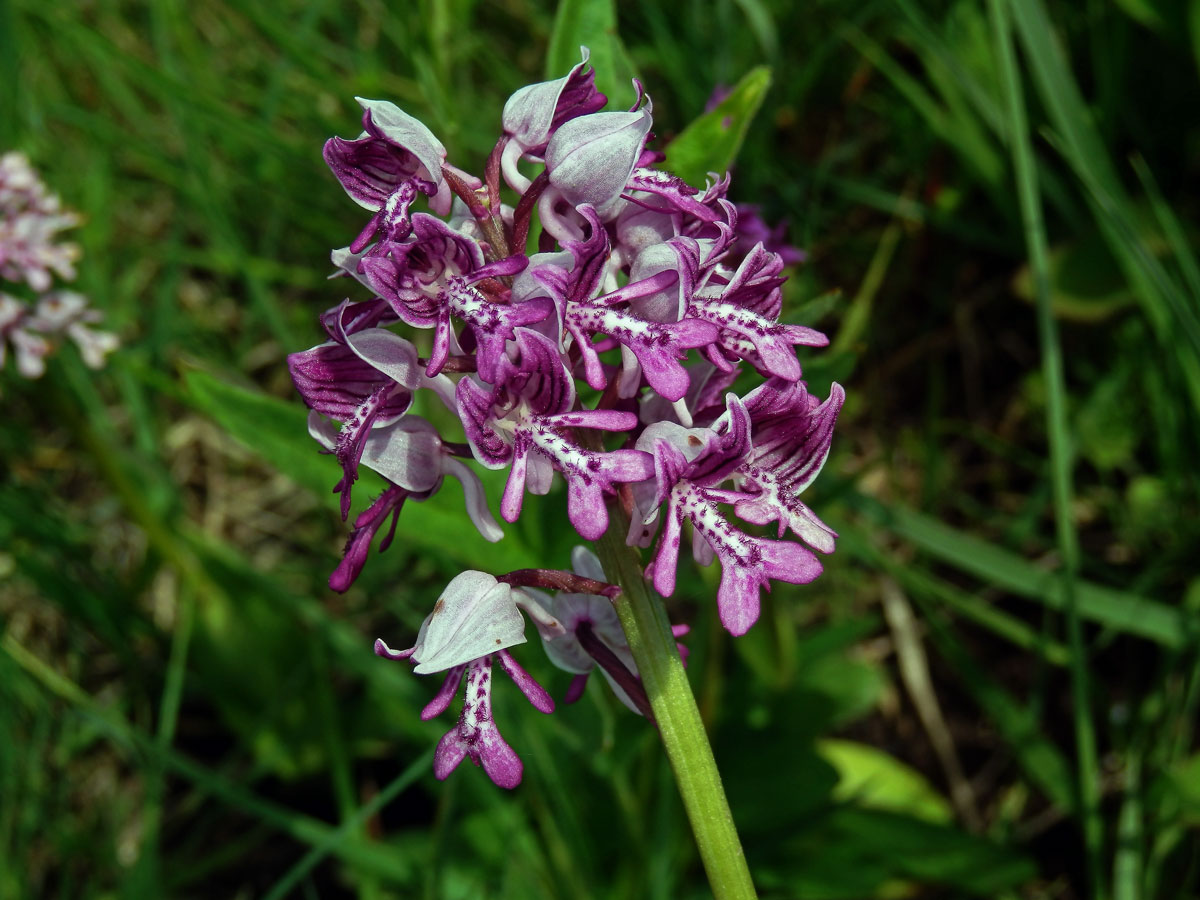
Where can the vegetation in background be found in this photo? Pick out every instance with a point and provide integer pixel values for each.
(991, 692)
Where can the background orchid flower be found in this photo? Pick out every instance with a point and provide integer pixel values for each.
(31, 256)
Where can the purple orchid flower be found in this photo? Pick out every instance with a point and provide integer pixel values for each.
(655, 346)
(383, 170)
(437, 274)
(745, 304)
(634, 269)
(590, 158)
(792, 434)
(690, 464)
(363, 379)
(472, 625)
(524, 421)
(533, 114)
(411, 455)
(579, 631)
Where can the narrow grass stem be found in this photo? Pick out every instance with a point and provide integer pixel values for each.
(1088, 783)
(648, 631)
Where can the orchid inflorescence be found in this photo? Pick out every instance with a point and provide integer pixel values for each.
(546, 357)
(30, 220)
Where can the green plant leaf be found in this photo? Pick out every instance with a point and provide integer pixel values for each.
(877, 780)
(1120, 610)
(711, 142)
(592, 24)
(273, 429)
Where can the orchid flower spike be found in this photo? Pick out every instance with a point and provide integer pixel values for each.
(638, 358)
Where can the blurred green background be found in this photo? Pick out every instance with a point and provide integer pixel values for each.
(992, 690)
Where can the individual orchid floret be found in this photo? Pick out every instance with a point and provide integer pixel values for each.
(67, 312)
(438, 274)
(584, 632)
(29, 348)
(745, 306)
(690, 465)
(653, 348)
(30, 220)
(411, 455)
(472, 624)
(363, 379)
(533, 113)
(524, 422)
(366, 526)
(395, 158)
(590, 158)
(792, 433)
(662, 206)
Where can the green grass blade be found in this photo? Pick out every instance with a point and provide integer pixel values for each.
(1171, 226)
(856, 543)
(1175, 318)
(711, 142)
(1088, 775)
(371, 857)
(336, 838)
(962, 132)
(1121, 611)
(1127, 861)
(1039, 758)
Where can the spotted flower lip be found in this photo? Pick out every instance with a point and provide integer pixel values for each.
(793, 433)
(475, 735)
(472, 625)
(524, 423)
(585, 310)
(690, 465)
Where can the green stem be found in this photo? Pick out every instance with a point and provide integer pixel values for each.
(649, 634)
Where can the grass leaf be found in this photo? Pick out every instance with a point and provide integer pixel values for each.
(592, 24)
(711, 142)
